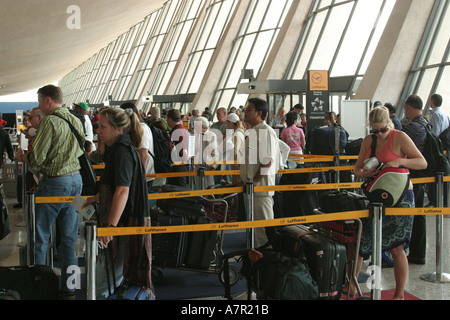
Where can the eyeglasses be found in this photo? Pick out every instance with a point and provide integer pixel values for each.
(377, 131)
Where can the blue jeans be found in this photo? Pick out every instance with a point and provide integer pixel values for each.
(48, 213)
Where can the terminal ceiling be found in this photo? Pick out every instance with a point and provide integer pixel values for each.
(39, 42)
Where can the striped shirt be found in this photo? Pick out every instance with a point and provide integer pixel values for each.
(55, 149)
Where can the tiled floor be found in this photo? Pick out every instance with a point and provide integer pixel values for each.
(9, 256)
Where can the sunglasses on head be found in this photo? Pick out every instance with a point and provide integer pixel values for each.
(377, 131)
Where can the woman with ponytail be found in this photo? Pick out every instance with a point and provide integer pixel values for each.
(123, 198)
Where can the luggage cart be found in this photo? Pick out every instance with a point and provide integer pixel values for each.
(218, 208)
(345, 231)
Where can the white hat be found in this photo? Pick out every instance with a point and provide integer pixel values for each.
(233, 117)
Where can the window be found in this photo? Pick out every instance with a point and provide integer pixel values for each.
(341, 37)
(259, 29)
(431, 69)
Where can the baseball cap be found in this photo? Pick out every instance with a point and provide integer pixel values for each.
(82, 105)
(233, 117)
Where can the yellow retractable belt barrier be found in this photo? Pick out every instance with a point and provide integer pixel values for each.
(268, 223)
(154, 196)
(416, 211)
(233, 225)
(297, 187)
(185, 194)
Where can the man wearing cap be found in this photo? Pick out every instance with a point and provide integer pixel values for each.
(82, 108)
(219, 128)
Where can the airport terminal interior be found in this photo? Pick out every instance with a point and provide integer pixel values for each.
(197, 54)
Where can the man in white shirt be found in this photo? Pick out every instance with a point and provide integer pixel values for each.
(262, 154)
(439, 120)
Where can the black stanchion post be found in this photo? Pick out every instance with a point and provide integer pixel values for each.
(24, 186)
(337, 151)
(31, 227)
(249, 190)
(439, 276)
(91, 258)
(191, 169)
(376, 212)
(201, 178)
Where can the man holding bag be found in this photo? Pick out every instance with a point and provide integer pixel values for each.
(55, 156)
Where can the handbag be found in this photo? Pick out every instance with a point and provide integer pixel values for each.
(87, 172)
(389, 186)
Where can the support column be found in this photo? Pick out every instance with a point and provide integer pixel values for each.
(388, 70)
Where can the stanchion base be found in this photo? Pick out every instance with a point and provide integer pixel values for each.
(433, 277)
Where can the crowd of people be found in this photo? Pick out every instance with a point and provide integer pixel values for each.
(122, 139)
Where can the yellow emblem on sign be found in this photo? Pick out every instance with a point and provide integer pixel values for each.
(318, 80)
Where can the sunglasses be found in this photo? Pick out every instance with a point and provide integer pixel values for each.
(377, 131)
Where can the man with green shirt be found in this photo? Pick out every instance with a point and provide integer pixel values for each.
(55, 155)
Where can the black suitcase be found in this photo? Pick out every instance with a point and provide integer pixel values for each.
(31, 282)
(200, 247)
(168, 249)
(4, 217)
(326, 258)
(298, 203)
(127, 290)
(187, 207)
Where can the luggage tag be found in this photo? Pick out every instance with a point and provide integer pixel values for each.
(254, 255)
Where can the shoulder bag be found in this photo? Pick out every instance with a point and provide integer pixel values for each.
(388, 186)
(87, 172)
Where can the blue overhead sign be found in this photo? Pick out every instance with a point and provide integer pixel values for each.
(11, 107)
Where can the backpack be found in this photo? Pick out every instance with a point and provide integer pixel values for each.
(80, 117)
(445, 138)
(322, 140)
(162, 147)
(433, 152)
(274, 276)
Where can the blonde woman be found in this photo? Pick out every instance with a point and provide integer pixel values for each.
(123, 195)
(395, 149)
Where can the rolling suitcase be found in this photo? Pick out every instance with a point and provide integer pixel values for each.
(200, 247)
(127, 290)
(326, 258)
(130, 292)
(31, 282)
(168, 249)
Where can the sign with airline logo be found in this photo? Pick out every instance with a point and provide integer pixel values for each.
(317, 98)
